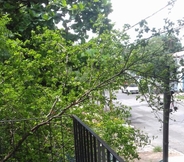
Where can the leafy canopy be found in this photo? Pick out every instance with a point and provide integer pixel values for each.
(75, 17)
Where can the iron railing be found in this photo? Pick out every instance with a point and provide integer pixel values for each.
(53, 142)
(89, 147)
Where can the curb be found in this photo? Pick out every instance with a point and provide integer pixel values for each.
(149, 148)
(176, 157)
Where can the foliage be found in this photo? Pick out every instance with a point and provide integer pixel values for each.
(45, 74)
(157, 149)
(113, 127)
(76, 17)
(180, 97)
(51, 142)
(171, 43)
(158, 60)
(4, 34)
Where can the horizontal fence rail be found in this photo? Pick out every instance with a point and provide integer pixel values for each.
(89, 147)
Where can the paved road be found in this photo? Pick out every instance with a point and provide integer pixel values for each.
(143, 119)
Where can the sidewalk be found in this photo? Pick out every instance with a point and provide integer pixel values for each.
(148, 155)
(177, 159)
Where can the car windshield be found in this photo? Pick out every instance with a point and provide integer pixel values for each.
(132, 85)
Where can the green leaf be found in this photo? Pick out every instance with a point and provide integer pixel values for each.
(45, 16)
(74, 7)
(64, 4)
(81, 6)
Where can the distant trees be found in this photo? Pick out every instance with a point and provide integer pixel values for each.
(163, 46)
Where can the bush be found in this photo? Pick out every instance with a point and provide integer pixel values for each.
(157, 149)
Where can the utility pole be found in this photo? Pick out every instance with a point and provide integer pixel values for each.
(166, 111)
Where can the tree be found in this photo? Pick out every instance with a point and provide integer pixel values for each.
(54, 78)
(4, 34)
(47, 75)
(164, 71)
(171, 43)
(76, 17)
(159, 56)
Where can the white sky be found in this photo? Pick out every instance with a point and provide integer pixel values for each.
(132, 11)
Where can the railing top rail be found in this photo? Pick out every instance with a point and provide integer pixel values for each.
(99, 139)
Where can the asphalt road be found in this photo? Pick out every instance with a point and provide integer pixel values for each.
(144, 119)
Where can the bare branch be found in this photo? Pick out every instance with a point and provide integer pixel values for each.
(53, 106)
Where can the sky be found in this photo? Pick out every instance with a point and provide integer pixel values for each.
(132, 11)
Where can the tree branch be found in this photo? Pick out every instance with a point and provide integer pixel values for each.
(50, 117)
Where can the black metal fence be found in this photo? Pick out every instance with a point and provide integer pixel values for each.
(89, 147)
(59, 140)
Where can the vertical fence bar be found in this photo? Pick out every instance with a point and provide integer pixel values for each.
(88, 146)
(114, 159)
(108, 156)
(103, 153)
(99, 150)
(76, 140)
(85, 146)
(81, 144)
(93, 149)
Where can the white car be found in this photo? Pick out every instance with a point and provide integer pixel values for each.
(132, 89)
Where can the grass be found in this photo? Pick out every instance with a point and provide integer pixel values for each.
(181, 97)
(157, 149)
